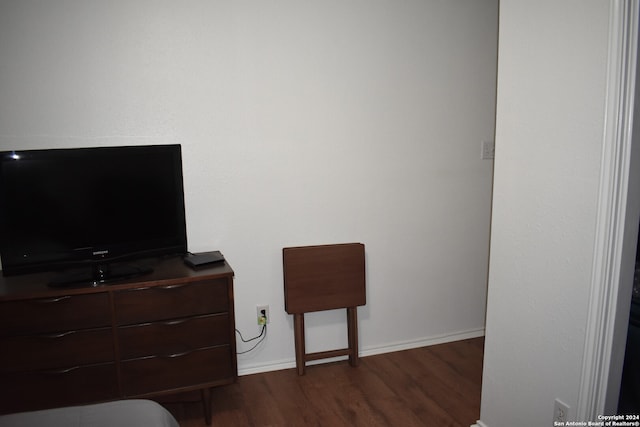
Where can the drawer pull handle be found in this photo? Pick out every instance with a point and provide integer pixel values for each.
(176, 286)
(173, 356)
(61, 371)
(52, 300)
(60, 335)
(164, 288)
(175, 322)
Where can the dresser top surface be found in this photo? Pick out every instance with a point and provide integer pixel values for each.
(166, 271)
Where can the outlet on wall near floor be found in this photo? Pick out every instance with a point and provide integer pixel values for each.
(560, 411)
(262, 313)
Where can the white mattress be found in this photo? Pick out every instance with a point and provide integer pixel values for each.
(122, 413)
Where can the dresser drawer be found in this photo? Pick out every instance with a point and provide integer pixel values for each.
(47, 389)
(171, 302)
(55, 350)
(173, 336)
(193, 369)
(63, 313)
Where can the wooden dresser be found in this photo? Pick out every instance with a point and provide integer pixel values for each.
(165, 332)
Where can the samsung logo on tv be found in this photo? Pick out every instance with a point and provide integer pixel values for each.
(105, 252)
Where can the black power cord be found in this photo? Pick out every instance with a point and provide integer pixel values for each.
(262, 336)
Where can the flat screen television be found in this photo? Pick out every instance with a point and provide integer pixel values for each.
(90, 211)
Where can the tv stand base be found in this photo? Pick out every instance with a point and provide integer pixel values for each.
(98, 274)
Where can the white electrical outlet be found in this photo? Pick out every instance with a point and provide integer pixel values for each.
(488, 150)
(263, 318)
(560, 411)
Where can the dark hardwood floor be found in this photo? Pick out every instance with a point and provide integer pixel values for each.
(430, 386)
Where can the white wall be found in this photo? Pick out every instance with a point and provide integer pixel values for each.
(301, 123)
(549, 133)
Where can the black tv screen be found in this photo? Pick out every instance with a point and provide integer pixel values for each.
(63, 208)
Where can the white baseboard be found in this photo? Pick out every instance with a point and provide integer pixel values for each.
(424, 342)
(479, 424)
(371, 351)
